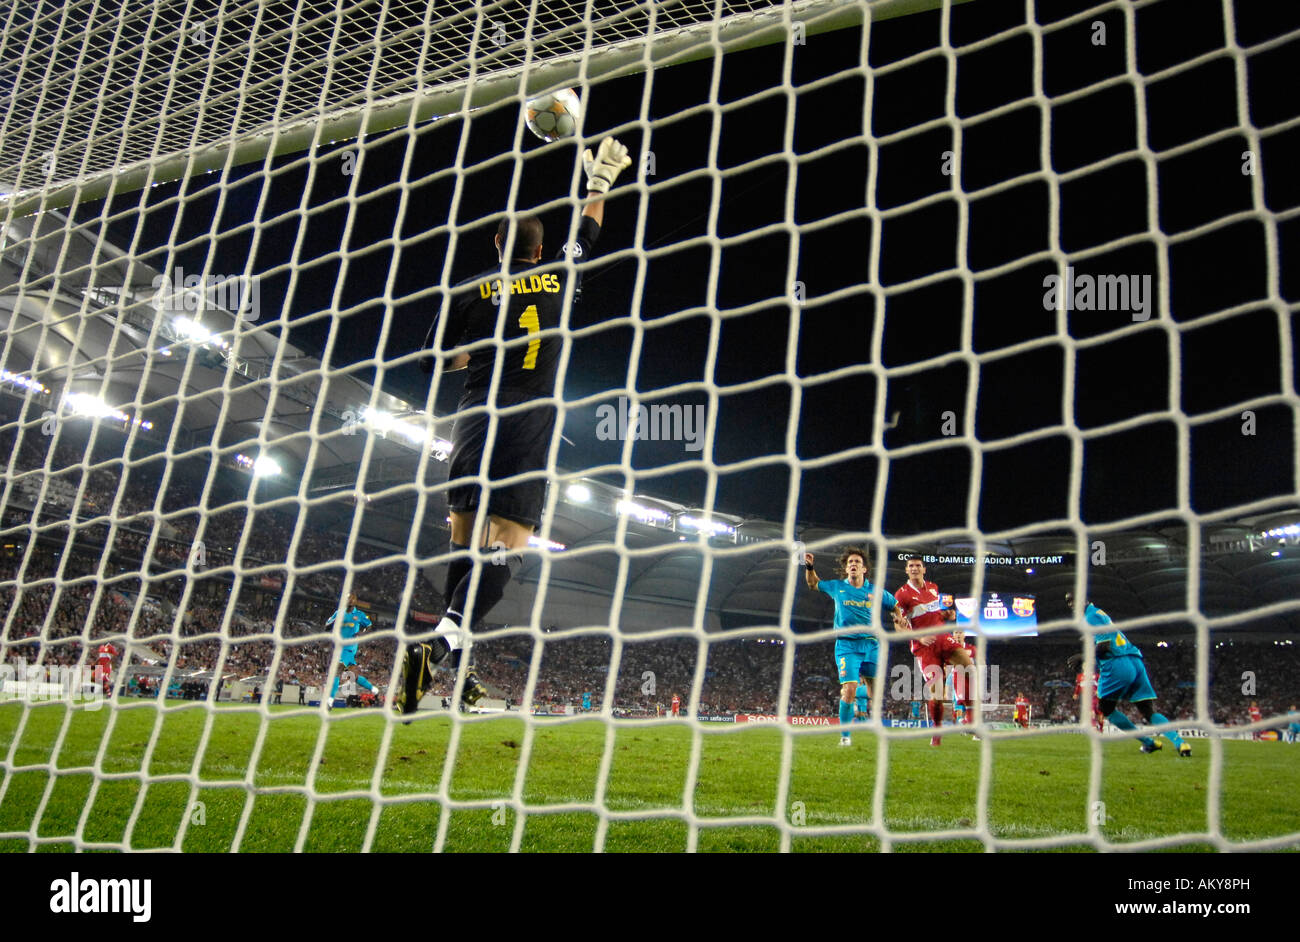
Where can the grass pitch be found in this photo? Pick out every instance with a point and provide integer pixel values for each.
(1038, 785)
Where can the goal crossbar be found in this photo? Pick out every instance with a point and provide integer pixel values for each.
(407, 101)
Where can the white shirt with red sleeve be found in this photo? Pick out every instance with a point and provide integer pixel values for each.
(923, 606)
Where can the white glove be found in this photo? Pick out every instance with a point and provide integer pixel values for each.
(602, 169)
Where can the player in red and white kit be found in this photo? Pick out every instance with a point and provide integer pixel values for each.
(1087, 690)
(964, 709)
(1022, 710)
(923, 608)
(1255, 717)
(677, 705)
(104, 667)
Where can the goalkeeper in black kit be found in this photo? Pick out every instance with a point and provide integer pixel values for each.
(523, 301)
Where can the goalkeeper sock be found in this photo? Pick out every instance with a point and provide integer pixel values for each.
(846, 717)
(447, 634)
(1123, 722)
(457, 570)
(492, 581)
(367, 684)
(335, 689)
(1172, 735)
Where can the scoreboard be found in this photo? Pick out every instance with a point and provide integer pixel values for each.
(998, 615)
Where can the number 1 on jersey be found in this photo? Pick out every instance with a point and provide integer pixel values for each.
(530, 322)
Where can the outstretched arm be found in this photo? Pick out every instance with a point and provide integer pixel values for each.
(595, 210)
(809, 573)
(602, 167)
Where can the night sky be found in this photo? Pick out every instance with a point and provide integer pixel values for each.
(1223, 362)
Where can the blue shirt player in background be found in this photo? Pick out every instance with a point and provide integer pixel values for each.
(862, 702)
(1123, 676)
(354, 619)
(856, 650)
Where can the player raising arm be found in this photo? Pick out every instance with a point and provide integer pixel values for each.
(1122, 675)
(924, 608)
(524, 308)
(856, 650)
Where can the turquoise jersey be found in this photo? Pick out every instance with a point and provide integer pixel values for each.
(352, 622)
(853, 605)
(1120, 645)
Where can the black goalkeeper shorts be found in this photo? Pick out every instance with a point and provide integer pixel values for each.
(522, 443)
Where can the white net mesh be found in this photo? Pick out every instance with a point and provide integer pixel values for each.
(821, 312)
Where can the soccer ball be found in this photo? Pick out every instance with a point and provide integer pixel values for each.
(555, 116)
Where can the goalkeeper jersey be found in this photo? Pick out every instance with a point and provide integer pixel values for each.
(528, 300)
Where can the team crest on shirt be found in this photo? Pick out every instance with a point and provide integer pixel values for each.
(947, 601)
(1023, 607)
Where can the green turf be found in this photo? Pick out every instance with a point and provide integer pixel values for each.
(1038, 786)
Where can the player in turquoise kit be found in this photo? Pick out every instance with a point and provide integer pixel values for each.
(862, 702)
(1123, 676)
(856, 651)
(352, 622)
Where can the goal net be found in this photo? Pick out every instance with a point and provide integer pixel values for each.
(944, 279)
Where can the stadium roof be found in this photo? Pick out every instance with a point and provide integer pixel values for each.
(112, 327)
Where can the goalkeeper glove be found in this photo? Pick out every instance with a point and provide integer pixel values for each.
(1075, 661)
(610, 160)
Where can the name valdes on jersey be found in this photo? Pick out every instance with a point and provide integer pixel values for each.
(547, 283)
(513, 317)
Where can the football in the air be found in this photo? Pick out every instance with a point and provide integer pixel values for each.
(554, 116)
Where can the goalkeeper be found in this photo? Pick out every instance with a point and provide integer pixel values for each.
(524, 306)
(1122, 675)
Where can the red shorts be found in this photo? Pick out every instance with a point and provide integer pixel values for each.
(936, 654)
